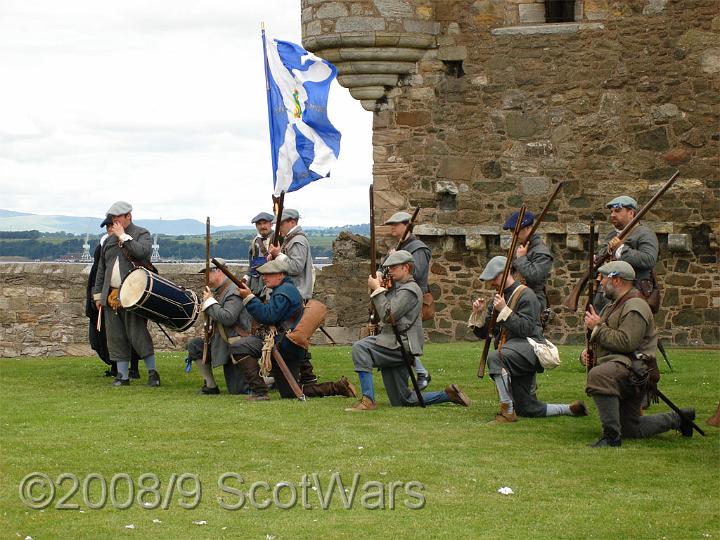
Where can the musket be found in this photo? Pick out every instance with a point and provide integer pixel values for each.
(541, 217)
(225, 270)
(500, 289)
(374, 317)
(294, 386)
(410, 363)
(682, 414)
(206, 317)
(572, 300)
(591, 295)
(408, 231)
(276, 354)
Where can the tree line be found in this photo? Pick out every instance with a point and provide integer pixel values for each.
(48, 247)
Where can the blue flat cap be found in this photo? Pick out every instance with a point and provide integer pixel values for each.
(262, 216)
(119, 208)
(623, 201)
(528, 219)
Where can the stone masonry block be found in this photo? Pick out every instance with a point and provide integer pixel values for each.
(531, 13)
(680, 243)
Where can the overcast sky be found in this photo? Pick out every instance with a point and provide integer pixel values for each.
(161, 104)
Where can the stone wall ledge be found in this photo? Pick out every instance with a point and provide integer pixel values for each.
(549, 28)
(659, 227)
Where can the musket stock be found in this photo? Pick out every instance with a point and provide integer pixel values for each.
(278, 204)
(500, 289)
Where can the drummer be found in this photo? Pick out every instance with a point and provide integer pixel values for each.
(127, 247)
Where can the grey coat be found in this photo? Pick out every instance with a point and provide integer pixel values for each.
(535, 268)
(400, 305)
(140, 247)
(640, 251)
(229, 313)
(421, 256)
(517, 354)
(300, 264)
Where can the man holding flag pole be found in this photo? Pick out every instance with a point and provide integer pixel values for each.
(304, 146)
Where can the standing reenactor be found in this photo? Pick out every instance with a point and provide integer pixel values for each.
(624, 343)
(399, 222)
(295, 252)
(533, 259)
(259, 250)
(398, 306)
(231, 322)
(639, 248)
(127, 247)
(514, 364)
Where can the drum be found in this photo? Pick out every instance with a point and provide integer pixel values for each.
(159, 300)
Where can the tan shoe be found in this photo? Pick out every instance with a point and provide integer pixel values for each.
(456, 395)
(505, 417)
(365, 404)
(348, 390)
(578, 408)
(258, 397)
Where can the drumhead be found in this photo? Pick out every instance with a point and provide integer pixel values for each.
(134, 287)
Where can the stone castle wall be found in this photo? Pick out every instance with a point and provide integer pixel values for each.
(479, 106)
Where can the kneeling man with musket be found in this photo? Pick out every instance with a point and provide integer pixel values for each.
(513, 364)
(401, 340)
(281, 355)
(624, 342)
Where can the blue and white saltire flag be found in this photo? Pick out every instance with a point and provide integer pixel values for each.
(304, 144)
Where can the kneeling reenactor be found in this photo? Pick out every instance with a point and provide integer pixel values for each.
(230, 322)
(282, 313)
(514, 364)
(624, 342)
(398, 306)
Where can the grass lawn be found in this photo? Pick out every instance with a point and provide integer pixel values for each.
(59, 415)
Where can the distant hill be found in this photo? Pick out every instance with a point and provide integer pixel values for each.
(21, 221)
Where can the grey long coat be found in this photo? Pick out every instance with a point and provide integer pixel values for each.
(228, 312)
(641, 250)
(140, 247)
(517, 354)
(300, 264)
(401, 304)
(421, 257)
(535, 267)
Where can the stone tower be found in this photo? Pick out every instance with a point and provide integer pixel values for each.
(480, 106)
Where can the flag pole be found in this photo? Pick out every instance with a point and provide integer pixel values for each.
(278, 202)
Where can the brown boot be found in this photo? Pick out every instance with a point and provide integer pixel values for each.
(251, 373)
(714, 420)
(365, 404)
(258, 397)
(345, 388)
(578, 408)
(505, 417)
(456, 395)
